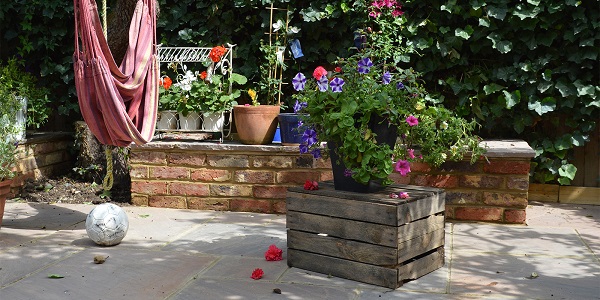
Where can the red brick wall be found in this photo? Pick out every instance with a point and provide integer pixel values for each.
(255, 178)
(42, 155)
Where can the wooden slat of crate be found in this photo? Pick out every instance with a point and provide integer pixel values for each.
(365, 252)
(378, 275)
(379, 234)
(370, 207)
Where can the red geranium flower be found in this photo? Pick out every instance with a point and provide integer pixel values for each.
(319, 72)
(166, 82)
(338, 70)
(311, 185)
(257, 274)
(216, 53)
(273, 254)
(203, 75)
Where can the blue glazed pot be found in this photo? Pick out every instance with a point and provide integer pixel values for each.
(291, 135)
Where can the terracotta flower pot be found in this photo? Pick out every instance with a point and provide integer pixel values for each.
(4, 191)
(256, 125)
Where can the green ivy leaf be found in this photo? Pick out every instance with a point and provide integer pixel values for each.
(498, 44)
(547, 104)
(512, 98)
(565, 88)
(497, 12)
(484, 22)
(464, 33)
(492, 88)
(582, 89)
(568, 171)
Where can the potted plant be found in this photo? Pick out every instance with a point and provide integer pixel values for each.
(256, 123)
(32, 101)
(375, 115)
(169, 97)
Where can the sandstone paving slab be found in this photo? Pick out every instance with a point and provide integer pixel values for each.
(231, 239)
(591, 237)
(525, 276)
(234, 267)
(19, 215)
(17, 263)
(563, 215)
(206, 288)
(400, 294)
(517, 239)
(127, 274)
(246, 218)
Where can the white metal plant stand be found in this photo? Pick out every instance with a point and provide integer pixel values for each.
(181, 55)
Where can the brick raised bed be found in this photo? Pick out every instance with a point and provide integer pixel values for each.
(235, 177)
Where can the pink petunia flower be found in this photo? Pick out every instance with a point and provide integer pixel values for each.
(412, 121)
(411, 153)
(403, 167)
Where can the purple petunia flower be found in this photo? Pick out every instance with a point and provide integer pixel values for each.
(411, 153)
(316, 153)
(403, 167)
(347, 172)
(309, 137)
(364, 65)
(399, 86)
(299, 106)
(387, 78)
(303, 148)
(299, 81)
(337, 84)
(323, 84)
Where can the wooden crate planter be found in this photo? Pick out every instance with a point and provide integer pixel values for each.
(370, 238)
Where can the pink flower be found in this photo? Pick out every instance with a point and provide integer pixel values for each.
(273, 254)
(319, 73)
(412, 121)
(411, 153)
(257, 274)
(311, 185)
(403, 167)
(393, 195)
(403, 195)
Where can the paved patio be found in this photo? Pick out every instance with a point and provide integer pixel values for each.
(190, 254)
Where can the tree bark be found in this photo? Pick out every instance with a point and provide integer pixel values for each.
(119, 19)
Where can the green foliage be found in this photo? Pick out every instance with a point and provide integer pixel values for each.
(41, 34)
(526, 69)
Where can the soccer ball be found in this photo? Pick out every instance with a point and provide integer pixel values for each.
(107, 224)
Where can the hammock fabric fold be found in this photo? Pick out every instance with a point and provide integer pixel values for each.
(118, 103)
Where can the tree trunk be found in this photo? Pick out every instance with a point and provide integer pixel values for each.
(119, 19)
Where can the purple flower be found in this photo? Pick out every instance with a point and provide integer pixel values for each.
(323, 84)
(309, 137)
(303, 148)
(387, 78)
(316, 153)
(299, 106)
(403, 167)
(411, 153)
(299, 81)
(400, 86)
(403, 195)
(337, 84)
(347, 172)
(364, 65)
(412, 121)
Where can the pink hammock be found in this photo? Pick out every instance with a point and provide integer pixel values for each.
(118, 103)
